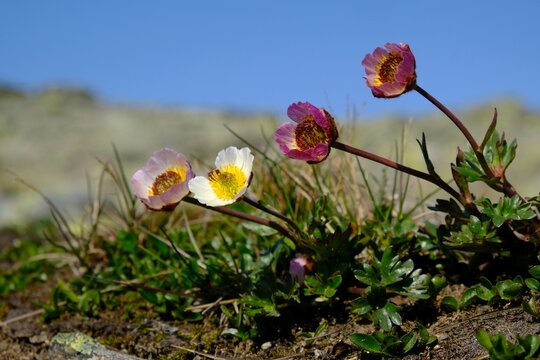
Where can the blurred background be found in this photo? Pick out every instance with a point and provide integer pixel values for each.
(77, 77)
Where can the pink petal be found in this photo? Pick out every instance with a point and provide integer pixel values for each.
(299, 110)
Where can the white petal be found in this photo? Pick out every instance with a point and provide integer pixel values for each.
(202, 191)
(226, 156)
(244, 161)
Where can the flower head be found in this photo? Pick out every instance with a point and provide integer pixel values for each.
(228, 182)
(299, 266)
(390, 72)
(163, 182)
(311, 134)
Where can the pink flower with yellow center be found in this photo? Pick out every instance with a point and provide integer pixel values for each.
(390, 72)
(311, 134)
(228, 182)
(163, 182)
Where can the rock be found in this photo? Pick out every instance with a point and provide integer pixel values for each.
(78, 346)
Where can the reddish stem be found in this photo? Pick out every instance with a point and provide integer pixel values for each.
(244, 216)
(417, 173)
(504, 186)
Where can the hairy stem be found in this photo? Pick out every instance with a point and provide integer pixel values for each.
(504, 186)
(260, 206)
(245, 216)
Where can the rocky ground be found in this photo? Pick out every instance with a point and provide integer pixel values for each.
(24, 335)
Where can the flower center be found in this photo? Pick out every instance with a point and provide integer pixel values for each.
(309, 134)
(166, 180)
(387, 68)
(227, 181)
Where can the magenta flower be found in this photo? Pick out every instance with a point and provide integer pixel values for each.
(311, 134)
(390, 71)
(163, 182)
(299, 266)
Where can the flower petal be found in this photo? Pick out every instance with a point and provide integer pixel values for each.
(285, 137)
(162, 182)
(203, 192)
(390, 71)
(298, 111)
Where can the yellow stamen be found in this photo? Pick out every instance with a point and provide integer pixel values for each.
(227, 181)
(387, 68)
(309, 134)
(168, 179)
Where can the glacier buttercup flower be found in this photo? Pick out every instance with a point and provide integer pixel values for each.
(163, 182)
(228, 182)
(311, 134)
(391, 71)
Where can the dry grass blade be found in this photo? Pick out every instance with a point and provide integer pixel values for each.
(208, 356)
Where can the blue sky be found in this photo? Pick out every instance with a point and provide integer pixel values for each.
(264, 55)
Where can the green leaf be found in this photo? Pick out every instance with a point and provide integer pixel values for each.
(387, 316)
(323, 325)
(366, 342)
(366, 275)
(438, 282)
(409, 340)
(535, 271)
(393, 313)
(532, 284)
(290, 244)
(361, 305)
(450, 303)
(380, 317)
(530, 306)
(500, 344)
(509, 289)
(531, 344)
(151, 296)
(498, 220)
(335, 281)
(470, 174)
(485, 290)
(467, 298)
(484, 339)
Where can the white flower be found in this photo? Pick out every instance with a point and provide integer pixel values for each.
(228, 181)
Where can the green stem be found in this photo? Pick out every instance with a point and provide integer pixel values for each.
(245, 216)
(399, 167)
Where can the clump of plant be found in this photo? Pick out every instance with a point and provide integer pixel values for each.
(500, 348)
(295, 247)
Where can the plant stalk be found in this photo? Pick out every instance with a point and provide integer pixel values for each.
(505, 186)
(260, 206)
(417, 173)
(245, 216)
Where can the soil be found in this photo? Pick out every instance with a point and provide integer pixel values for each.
(24, 334)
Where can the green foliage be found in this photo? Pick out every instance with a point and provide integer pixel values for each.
(390, 344)
(387, 277)
(507, 209)
(501, 349)
(498, 155)
(26, 261)
(503, 290)
(324, 289)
